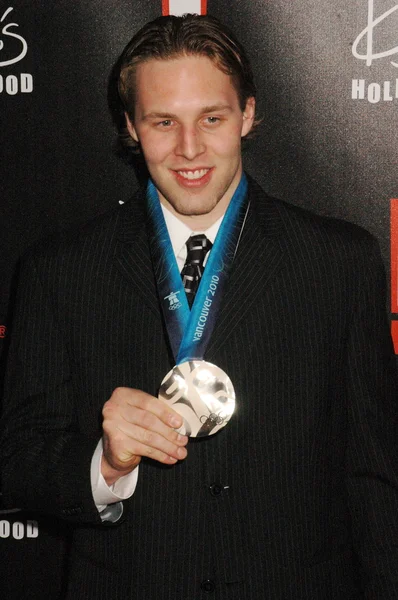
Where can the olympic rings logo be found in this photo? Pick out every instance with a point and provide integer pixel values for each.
(212, 419)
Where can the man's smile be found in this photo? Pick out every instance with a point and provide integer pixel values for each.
(197, 174)
(194, 178)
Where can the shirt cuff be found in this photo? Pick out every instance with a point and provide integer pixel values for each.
(103, 494)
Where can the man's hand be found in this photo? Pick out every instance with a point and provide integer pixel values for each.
(137, 424)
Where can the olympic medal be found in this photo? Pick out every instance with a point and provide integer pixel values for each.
(202, 394)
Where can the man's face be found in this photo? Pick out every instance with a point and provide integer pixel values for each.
(189, 124)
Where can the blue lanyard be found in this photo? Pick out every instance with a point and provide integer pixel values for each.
(189, 331)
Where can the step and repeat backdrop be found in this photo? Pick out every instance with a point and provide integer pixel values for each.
(327, 76)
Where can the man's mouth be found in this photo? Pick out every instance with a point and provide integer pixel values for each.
(197, 174)
(194, 178)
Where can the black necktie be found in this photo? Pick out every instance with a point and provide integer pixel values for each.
(197, 246)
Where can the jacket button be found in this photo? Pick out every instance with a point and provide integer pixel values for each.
(216, 489)
(208, 586)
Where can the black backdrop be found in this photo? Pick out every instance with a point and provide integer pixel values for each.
(328, 92)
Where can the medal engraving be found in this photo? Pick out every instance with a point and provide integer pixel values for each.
(202, 394)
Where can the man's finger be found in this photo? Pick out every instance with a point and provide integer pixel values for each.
(140, 399)
(138, 437)
(152, 423)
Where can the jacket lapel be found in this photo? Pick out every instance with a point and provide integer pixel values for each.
(258, 259)
(133, 257)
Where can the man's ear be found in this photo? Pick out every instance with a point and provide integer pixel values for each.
(248, 115)
(131, 129)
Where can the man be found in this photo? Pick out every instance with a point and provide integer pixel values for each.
(297, 496)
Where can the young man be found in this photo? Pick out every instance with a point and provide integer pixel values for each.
(297, 496)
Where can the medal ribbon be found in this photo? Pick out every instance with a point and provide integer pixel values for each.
(189, 331)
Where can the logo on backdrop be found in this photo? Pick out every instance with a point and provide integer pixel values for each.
(364, 49)
(19, 530)
(13, 49)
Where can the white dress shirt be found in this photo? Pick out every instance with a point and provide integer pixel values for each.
(125, 486)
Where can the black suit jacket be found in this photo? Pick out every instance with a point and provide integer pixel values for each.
(298, 496)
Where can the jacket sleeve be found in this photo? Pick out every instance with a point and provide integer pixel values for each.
(45, 458)
(372, 456)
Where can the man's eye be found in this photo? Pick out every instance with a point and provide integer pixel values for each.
(165, 123)
(212, 120)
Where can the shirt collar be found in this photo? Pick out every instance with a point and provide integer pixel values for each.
(179, 232)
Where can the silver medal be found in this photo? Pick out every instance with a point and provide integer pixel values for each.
(202, 394)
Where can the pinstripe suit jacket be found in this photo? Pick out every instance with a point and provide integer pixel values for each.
(297, 498)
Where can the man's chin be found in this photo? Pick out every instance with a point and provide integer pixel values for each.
(195, 209)
(194, 212)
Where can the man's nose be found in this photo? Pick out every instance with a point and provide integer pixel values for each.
(189, 143)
